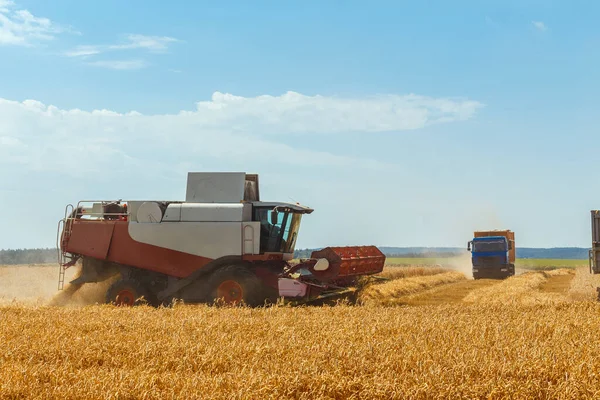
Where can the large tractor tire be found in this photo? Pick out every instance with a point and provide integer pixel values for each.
(235, 285)
(127, 292)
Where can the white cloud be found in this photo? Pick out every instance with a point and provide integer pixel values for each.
(7, 141)
(5, 5)
(226, 128)
(120, 64)
(294, 112)
(539, 25)
(155, 44)
(21, 27)
(83, 51)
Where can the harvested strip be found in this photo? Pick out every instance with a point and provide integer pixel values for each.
(523, 289)
(583, 286)
(557, 284)
(446, 294)
(398, 271)
(389, 292)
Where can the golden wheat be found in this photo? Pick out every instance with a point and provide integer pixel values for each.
(387, 293)
(303, 353)
(524, 288)
(401, 271)
(583, 286)
(478, 349)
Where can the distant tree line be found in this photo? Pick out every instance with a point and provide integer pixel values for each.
(566, 253)
(445, 254)
(27, 256)
(303, 253)
(48, 255)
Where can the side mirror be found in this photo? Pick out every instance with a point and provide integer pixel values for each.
(274, 218)
(469, 246)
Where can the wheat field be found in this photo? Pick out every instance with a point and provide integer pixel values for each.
(542, 344)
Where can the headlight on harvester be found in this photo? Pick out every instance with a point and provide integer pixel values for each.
(321, 265)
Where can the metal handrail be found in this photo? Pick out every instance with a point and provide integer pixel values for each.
(79, 203)
(58, 237)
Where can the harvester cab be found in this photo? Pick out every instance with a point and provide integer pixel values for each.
(221, 242)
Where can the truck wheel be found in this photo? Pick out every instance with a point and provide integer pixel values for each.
(126, 292)
(234, 285)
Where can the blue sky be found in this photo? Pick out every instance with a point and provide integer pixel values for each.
(401, 123)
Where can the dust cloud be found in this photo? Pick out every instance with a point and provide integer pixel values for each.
(37, 284)
(460, 264)
(481, 218)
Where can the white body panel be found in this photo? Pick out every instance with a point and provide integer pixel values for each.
(215, 187)
(208, 212)
(251, 237)
(205, 239)
(173, 213)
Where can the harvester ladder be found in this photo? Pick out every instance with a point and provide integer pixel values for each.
(61, 277)
(63, 264)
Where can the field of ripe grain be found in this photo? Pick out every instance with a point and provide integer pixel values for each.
(397, 272)
(388, 293)
(471, 347)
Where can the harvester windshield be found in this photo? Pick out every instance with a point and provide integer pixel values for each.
(279, 237)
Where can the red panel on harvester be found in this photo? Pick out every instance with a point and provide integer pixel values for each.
(90, 238)
(353, 260)
(110, 241)
(125, 250)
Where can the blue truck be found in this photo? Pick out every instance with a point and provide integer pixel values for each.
(493, 254)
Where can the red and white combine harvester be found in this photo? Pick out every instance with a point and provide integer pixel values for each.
(222, 243)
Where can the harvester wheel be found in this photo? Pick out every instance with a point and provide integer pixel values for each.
(234, 285)
(126, 292)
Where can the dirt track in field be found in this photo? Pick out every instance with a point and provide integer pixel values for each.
(557, 284)
(455, 292)
(451, 293)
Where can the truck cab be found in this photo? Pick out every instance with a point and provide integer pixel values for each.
(492, 255)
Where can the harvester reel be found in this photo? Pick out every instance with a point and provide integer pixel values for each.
(235, 285)
(127, 292)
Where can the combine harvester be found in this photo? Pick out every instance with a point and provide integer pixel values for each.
(221, 243)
